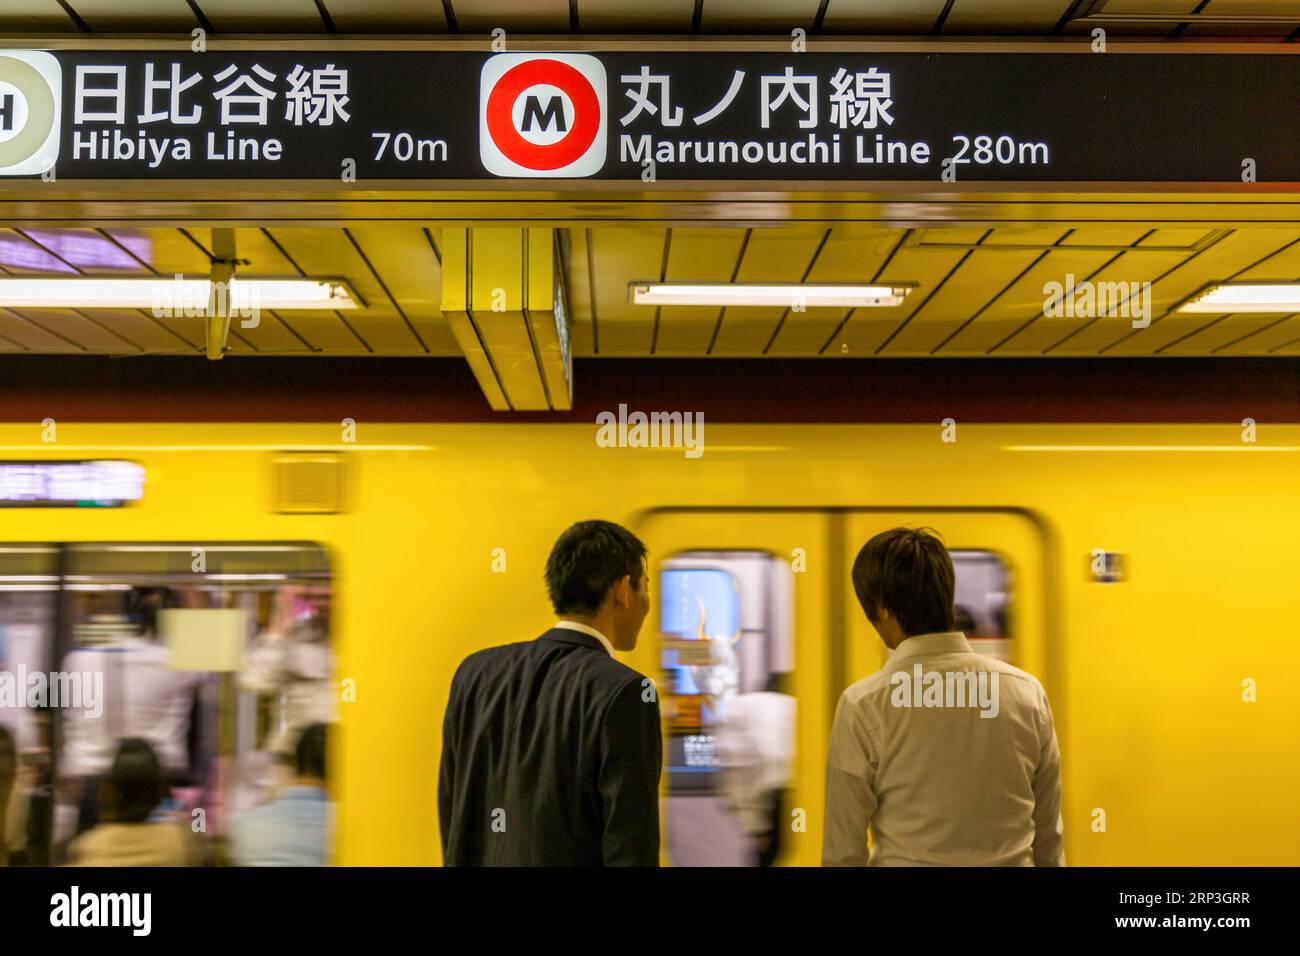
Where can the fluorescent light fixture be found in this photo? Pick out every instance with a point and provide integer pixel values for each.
(1244, 297)
(730, 293)
(170, 294)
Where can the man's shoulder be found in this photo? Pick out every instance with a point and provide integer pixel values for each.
(868, 687)
(594, 663)
(1023, 678)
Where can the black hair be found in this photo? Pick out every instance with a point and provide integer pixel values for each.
(908, 572)
(309, 755)
(135, 785)
(144, 603)
(587, 560)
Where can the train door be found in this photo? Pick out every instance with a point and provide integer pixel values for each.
(736, 643)
(752, 598)
(216, 653)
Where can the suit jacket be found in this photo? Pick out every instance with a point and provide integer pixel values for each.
(550, 757)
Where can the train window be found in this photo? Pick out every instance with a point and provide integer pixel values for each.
(726, 641)
(982, 601)
(217, 655)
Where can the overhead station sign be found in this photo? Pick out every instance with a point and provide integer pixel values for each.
(665, 116)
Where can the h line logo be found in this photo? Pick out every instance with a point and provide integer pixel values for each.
(542, 115)
(31, 101)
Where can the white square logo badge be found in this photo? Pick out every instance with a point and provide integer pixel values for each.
(542, 115)
(31, 104)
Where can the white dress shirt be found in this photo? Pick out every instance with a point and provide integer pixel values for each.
(942, 785)
(142, 697)
(584, 629)
(755, 740)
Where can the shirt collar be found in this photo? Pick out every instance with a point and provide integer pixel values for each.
(584, 629)
(928, 645)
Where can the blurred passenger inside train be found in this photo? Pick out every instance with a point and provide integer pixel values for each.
(947, 757)
(289, 666)
(756, 756)
(134, 830)
(551, 748)
(291, 663)
(963, 620)
(293, 829)
(143, 697)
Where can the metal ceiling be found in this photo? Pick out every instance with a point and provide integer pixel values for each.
(1029, 18)
(979, 290)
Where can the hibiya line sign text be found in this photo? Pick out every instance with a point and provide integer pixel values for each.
(440, 117)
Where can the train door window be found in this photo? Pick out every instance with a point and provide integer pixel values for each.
(726, 642)
(982, 602)
(28, 592)
(217, 655)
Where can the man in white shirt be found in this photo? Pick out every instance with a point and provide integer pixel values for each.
(755, 740)
(948, 757)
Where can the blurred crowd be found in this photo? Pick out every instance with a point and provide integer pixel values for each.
(177, 766)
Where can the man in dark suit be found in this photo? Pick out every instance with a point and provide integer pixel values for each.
(551, 750)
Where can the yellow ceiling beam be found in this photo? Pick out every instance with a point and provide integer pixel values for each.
(502, 296)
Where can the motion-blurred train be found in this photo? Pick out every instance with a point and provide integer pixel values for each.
(1141, 571)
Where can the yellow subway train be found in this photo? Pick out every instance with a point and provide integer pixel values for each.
(1140, 571)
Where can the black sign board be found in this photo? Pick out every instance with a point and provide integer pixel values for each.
(655, 117)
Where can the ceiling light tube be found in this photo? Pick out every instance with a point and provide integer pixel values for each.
(1246, 297)
(90, 292)
(734, 294)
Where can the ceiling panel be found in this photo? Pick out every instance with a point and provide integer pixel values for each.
(851, 254)
(34, 16)
(88, 333)
(983, 274)
(258, 16)
(329, 252)
(867, 330)
(1266, 339)
(772, 255)
(513, 16)
(1036, 237)
(1220, 332)
(869, 17)
(166, 251)
(1237, 251)
(143, 16)
(403, 259)
(1022, 302)
(388, 16)
(151, 333)
(1004, 16)
(882, 16)
(1067, 335)
(620, 256)
(765, 16)
(34, 334)
(704, 255)
(1134, 28)
(635, 16)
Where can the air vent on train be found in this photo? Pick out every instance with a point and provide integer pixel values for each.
(308, 483)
